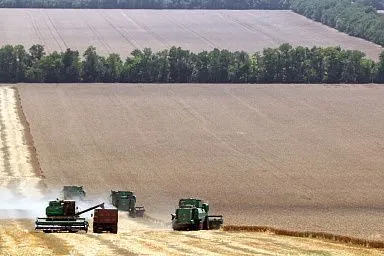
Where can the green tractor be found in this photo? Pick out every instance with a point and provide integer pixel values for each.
(61, 216)
(192, 214)
(126, 201)
(73, 193)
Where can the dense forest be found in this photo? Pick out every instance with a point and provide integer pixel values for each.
(358, 18)
(285, 64)
(148, 4)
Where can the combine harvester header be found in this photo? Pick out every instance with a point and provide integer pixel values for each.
(61, 216)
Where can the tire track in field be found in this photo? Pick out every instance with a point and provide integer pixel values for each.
(299, 186)
(36, 28)
(147, 29)
(84, 244)
(186, 28)
(302, 190)
(57, 32)
(229, 243)
(122, 34)
(247, 27)
(179, 245)
(38, 241)
(17, 239)
(96, 34)
(43, 12)
(203, 120)
(207, 241)
(130, 115)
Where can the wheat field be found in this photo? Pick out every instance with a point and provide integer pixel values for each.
(121, 31)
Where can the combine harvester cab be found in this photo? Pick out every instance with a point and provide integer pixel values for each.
(192, 214)
(61, 216)
(126, 201)
(73, 193)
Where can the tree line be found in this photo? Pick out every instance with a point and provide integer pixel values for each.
(285, 64)
(148, 4)
(356, 18)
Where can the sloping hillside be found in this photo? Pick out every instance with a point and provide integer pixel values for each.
(122, 31)
(291, 156)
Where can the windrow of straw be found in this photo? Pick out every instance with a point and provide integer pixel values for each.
(308, 234)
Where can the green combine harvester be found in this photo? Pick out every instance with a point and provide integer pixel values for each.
(192, 214)
(126, 201)
(73, 193)
(62, 217)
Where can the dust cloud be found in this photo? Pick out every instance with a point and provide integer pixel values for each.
(15, 205)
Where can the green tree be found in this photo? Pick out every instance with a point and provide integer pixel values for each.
(91, 66)
(333, 62)
(132, 72)
(70, 72)
(114, 67)
(180, 65)
(271, 65)
(51, 67)
(380, 69)
(37, 52)
(8, 64)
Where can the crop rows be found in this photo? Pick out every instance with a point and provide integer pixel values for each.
(122, 31)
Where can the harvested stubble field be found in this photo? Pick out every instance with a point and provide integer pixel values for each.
(17, 238)
(121, 31)
(296, 157)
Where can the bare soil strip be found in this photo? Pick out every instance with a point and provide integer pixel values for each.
(122, 31)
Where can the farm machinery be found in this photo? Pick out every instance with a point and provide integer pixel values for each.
(105, 220)
(73, 193)
(61, 216)
(192, 214)
(126, 201)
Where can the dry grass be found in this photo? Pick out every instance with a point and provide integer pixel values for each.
(122, 31)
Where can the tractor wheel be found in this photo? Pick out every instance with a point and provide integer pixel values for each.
(114, 229)
(95, 228)
(206, 224)
(196, 226)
